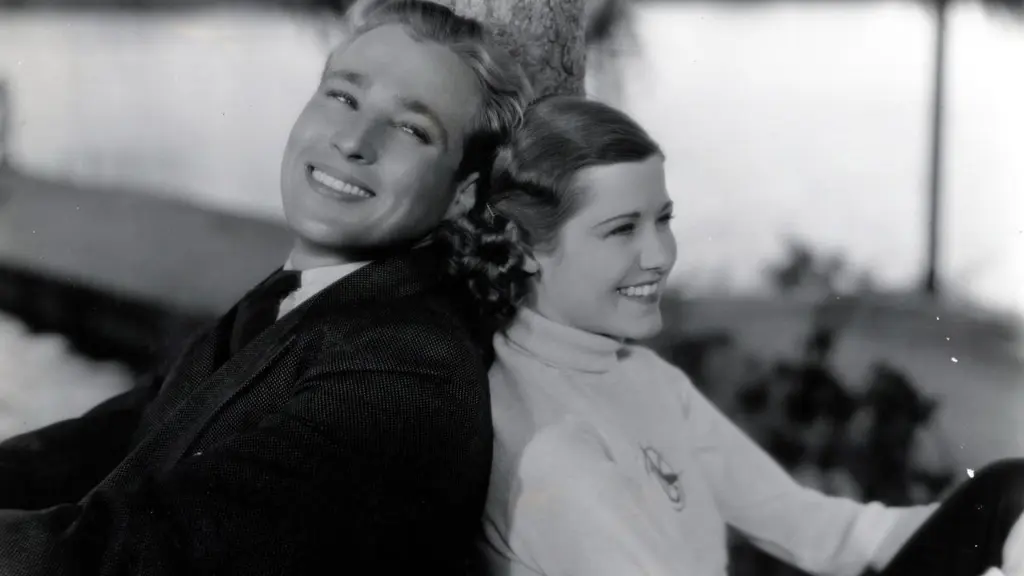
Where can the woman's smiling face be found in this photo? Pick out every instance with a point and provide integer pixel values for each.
(607, 269)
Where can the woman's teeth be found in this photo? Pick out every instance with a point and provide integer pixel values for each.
(639, 291)
(339, 186)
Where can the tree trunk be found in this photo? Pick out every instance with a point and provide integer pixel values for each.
(545, 36)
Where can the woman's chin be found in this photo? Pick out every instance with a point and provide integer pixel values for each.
(638, 329)
(647, 333)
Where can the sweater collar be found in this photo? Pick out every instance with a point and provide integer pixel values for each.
(562, 346)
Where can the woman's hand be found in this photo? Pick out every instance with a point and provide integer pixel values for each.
(1013, 553)
(1013, 550)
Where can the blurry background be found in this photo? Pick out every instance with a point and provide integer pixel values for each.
(140, 145)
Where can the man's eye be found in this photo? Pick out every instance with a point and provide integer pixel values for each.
(343, 97)
(416, 132)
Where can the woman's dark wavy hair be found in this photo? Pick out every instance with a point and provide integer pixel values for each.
(529, 194)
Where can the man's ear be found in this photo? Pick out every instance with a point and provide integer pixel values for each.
(465, 197)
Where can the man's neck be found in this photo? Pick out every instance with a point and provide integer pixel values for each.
(306, 256)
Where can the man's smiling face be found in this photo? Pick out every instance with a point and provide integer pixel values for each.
(371, 160)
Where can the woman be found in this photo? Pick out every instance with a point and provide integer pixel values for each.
(607, 460)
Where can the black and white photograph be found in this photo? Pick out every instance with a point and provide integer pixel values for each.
(512, 287)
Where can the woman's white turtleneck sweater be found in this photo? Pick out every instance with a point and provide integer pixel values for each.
(608, 461)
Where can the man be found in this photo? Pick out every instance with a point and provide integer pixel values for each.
(340, 411)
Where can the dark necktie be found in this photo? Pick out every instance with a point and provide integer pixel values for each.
(258, 310)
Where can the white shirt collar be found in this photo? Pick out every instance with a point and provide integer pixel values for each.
(313, 281)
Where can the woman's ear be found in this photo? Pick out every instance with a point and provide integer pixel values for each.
(465, 197)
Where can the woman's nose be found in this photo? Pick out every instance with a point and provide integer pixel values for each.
(658, 251)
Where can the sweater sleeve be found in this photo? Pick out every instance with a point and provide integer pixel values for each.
(575, 515)
(818, 533)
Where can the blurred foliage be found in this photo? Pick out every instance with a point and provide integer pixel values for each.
(863, 440)
(806, 271)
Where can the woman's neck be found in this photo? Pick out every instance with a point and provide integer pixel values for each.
(531, 306)
(561, 345)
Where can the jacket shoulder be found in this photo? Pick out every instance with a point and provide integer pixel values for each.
(422, 333)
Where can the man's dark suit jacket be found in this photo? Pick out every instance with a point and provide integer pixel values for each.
(353, 436)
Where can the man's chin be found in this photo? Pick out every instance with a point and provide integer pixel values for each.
(351, 247)
(318, 234)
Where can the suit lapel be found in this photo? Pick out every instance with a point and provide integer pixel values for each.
(203, 356)
(224, 385)
(216, 388)
(218, 344)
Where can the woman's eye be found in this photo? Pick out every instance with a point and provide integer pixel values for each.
(343, 97)
(623, 230)
(666, 218)
(416, 132)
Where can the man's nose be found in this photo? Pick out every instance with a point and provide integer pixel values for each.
(356, 142)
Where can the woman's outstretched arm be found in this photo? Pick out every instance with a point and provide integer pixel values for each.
(817, 533)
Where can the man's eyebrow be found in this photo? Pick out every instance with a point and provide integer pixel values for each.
(354, 78)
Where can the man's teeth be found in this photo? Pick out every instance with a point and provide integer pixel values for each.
(339, 186)
(639, 291)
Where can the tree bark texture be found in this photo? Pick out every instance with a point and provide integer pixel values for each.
(545, 36)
